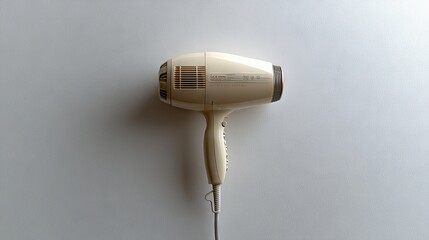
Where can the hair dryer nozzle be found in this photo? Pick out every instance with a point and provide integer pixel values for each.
(278, 83)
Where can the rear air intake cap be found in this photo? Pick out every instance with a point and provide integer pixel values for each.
(278, 83)
(163, 83)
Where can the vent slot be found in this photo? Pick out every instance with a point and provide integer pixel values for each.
(163, 77)
(163, 65)
(163, 94)
(190, 77)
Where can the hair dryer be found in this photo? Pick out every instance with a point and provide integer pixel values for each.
(217, 84)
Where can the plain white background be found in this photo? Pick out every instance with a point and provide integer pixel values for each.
(87, 151)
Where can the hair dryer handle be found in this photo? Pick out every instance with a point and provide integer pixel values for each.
(215, 146)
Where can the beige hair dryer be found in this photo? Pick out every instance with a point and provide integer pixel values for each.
(217, 84)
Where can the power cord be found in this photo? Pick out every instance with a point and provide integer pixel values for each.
(216, 229)
(215, 207)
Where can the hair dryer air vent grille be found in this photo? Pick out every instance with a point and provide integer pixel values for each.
(190, 77)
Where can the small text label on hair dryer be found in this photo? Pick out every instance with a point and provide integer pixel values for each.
(239, 77)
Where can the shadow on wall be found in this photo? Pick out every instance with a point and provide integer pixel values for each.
(177, 127)
(159, 141)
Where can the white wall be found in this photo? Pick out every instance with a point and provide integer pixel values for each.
(87, 151)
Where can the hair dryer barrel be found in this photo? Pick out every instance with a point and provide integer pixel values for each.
(202, 81)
